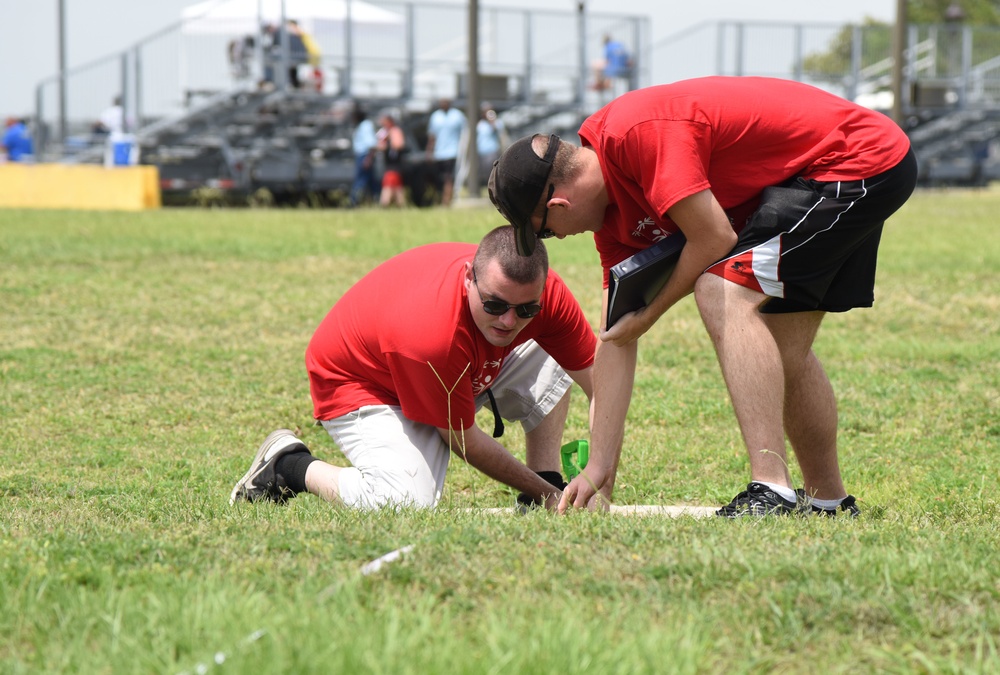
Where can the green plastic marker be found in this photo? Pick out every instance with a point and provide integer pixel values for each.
(574, 458)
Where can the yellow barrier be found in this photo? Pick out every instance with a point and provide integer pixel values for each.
(79, 186)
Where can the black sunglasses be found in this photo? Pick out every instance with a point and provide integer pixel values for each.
(544, 232)
(498, 308)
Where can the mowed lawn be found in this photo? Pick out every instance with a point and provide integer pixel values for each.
(143, 358)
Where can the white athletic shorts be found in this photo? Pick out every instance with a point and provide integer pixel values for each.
(398, 462)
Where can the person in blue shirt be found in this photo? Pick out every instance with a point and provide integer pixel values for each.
(444, 131)
(16, 141)
(490, 135)
(617, 64)
(363, 143)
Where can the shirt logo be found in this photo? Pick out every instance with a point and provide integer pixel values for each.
(654, 234)
(485, 376)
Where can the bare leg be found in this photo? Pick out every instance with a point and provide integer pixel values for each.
(542, 444)
(810, 404)
(752, 368)
(323, 480)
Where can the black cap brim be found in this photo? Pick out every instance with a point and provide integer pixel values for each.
(516, 185)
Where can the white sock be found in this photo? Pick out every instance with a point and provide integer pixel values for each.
(787, 493)
(827, 504)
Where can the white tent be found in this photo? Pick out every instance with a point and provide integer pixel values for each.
(317, 17)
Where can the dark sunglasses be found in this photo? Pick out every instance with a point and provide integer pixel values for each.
(498, 308)
(544, 232)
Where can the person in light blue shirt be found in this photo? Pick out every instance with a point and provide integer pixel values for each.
(616, 66)
(489, 139)
(444, 131)
(365, 184)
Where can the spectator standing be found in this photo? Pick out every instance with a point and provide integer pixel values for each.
(616, 65)
(444, 134)
(391, 142)
(112, 119)
(364, 143)
(17, 142)
(490, 140)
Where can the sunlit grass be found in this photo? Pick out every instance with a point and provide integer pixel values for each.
(143, 357)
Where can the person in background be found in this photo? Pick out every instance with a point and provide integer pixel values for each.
(16, 141)
(616, 65)
(112, 120)
(364, 143)
(405, 358)
(444, 133)
(490, 139)
(391, 142)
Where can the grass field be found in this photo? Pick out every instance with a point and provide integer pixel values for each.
(144, 357)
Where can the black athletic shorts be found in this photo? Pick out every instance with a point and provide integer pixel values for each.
(445, 168)
(812, 245)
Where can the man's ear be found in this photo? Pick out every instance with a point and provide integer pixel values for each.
(558, 200)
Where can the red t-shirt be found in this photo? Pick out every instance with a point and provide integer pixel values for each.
(403, 335)
(734, 135)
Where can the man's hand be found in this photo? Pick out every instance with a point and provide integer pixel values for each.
(629, 328)
(582, 489)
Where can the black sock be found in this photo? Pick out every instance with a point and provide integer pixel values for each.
(553, 478)
(292, 467)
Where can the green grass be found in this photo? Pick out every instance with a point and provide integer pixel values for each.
(143, 357)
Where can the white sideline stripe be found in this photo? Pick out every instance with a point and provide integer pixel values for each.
(390, 557)
(628, 510)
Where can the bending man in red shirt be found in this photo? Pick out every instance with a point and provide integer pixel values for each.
(400, 365)
(781, 191)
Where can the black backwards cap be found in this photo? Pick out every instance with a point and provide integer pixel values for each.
(516, 185)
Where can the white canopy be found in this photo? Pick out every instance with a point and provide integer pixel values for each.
(317, 17)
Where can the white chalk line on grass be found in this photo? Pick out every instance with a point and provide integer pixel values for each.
(220, 657)
(676, 511)
(380, 562)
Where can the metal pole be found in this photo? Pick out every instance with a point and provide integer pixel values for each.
(528, 68)
(126, 108)
(43, 135)
(852, 92)
(137, 65)
(581, 85)
(966, 60)
(739, 49)
(720, 48)
(258, 41)
(898, 61)
(637, 56)
(282, 77)
(348, 51)
(472, 104)
(798, 53)
(410, 54)
(62, 71)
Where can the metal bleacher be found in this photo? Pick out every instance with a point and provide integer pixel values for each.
(276, 145)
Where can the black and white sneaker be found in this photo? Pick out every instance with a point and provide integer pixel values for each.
(261, 481)
(848, 506)
(757, 500)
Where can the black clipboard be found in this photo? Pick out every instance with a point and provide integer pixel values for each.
(635, 281)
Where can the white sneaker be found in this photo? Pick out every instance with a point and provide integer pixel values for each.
(260, 481)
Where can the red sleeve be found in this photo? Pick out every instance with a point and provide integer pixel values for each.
(668, 158)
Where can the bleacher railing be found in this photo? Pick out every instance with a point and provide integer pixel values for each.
(525, 56)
